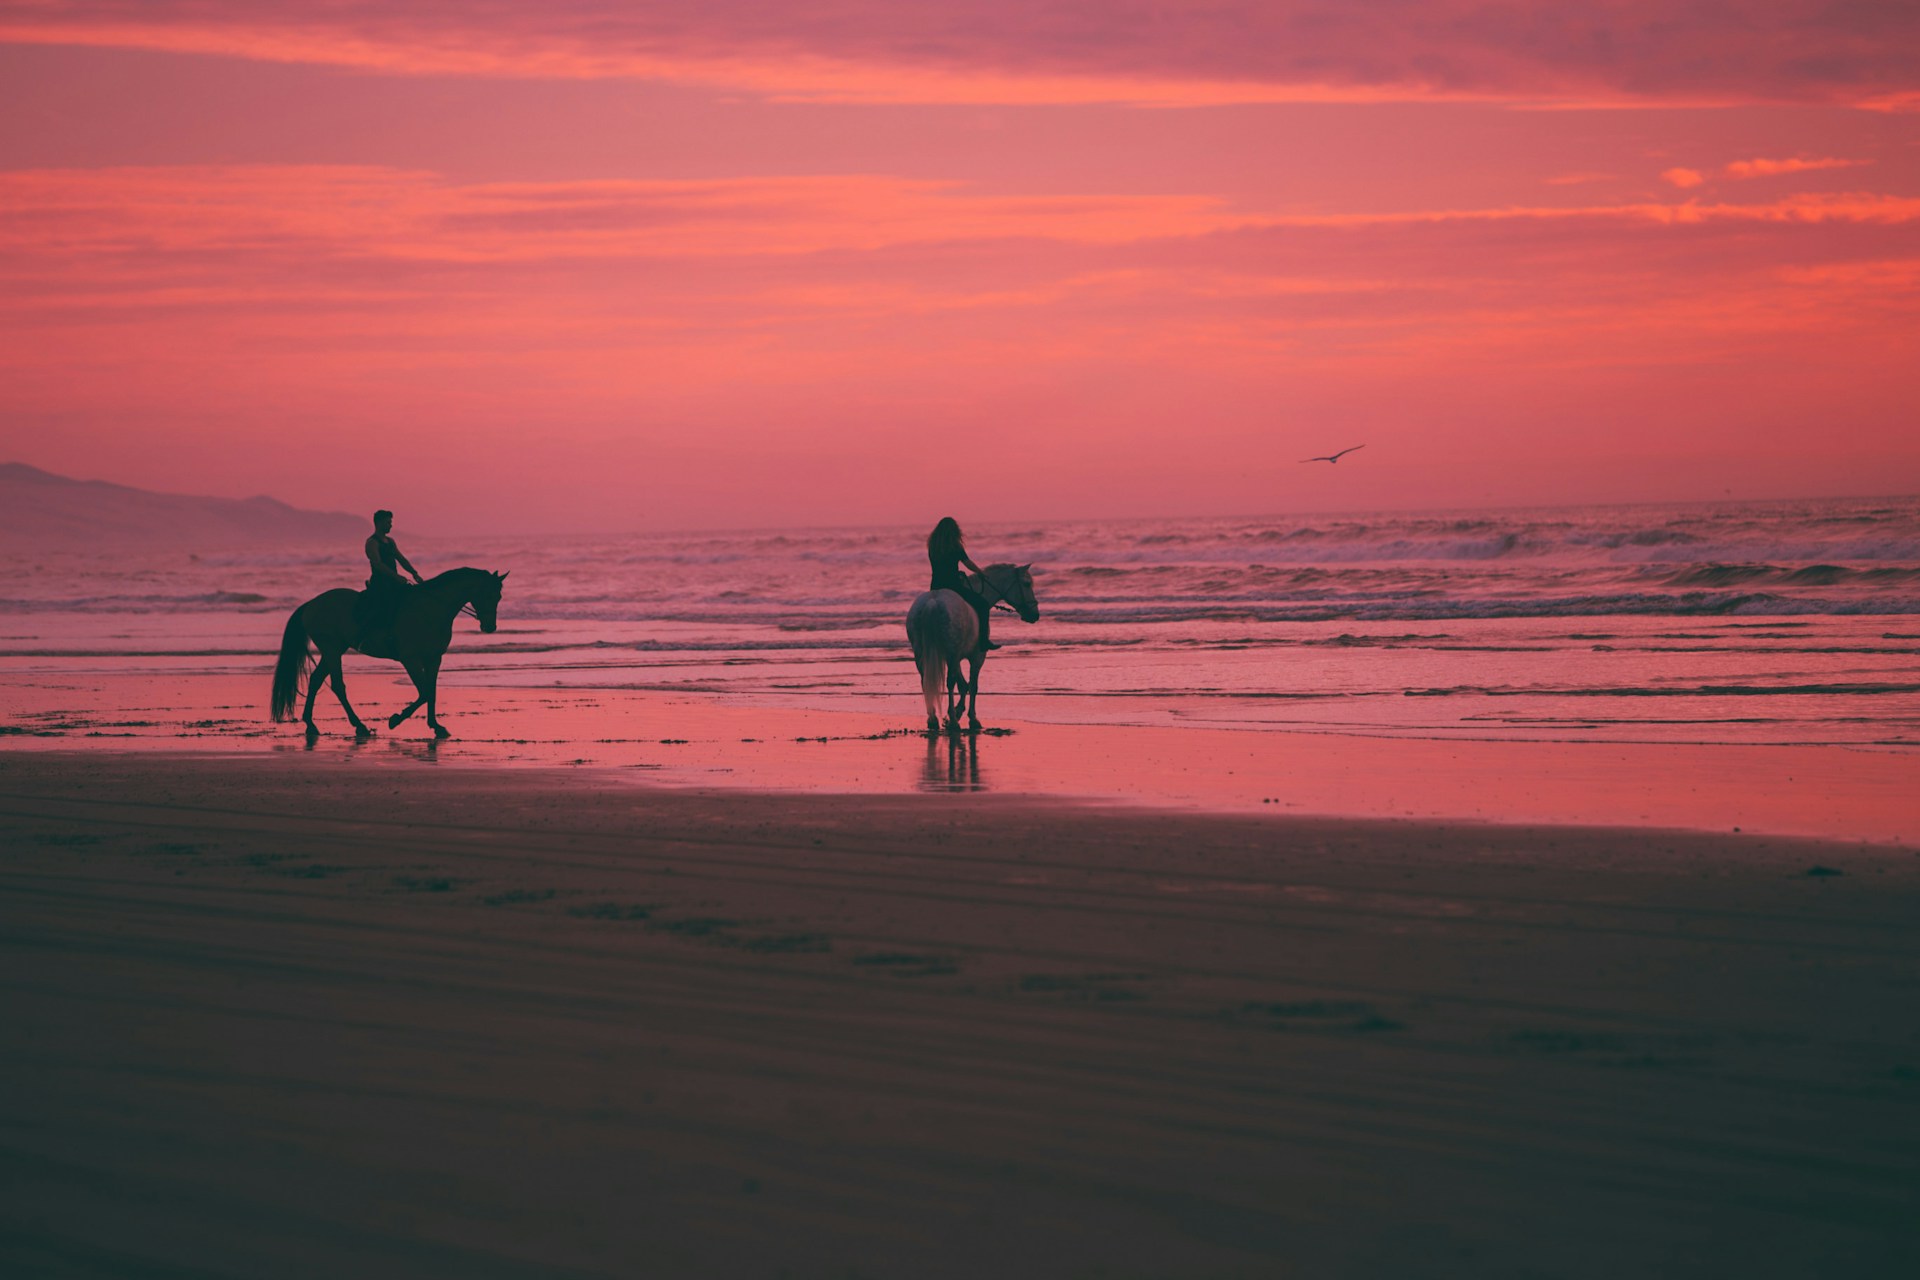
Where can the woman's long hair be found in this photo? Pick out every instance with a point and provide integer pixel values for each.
(946, 542)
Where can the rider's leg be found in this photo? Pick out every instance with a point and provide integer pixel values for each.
(378, 606)
(980, 610)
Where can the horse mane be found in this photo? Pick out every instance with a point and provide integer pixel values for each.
(462, 572)
(1012, 570)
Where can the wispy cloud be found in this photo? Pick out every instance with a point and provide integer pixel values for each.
(352, 255)
(1133, 51)
(1742, 170)
(761, 317)
(1761, 168)
(321, 215)
(420, 216)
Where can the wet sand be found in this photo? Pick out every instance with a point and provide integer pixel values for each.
(290, 1016)
(1829, 791)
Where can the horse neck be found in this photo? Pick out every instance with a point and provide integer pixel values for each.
(997, 576)
(452, 590)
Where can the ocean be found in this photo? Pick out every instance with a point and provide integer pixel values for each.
(1751, 623)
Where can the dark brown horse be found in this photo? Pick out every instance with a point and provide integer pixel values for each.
(418, 638)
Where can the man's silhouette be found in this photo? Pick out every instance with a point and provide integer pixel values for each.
(375, 609)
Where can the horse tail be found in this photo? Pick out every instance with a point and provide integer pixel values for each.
(929, 654)
(933, 679)
(292, 667)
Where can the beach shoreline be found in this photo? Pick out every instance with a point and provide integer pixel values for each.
(1843, 792)
(288, 1014)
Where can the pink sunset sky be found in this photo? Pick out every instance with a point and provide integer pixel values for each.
(597, 265)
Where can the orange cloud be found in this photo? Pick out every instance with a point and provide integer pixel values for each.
(1683, 178)
(412, 269)
(319, 218)
(423, 217)
(1769, 168)
(1082, 51)
(769, 319)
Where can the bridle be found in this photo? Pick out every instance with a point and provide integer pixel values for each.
(1001, 603)
(466, 607)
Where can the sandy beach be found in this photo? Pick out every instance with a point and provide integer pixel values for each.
(286, 1016)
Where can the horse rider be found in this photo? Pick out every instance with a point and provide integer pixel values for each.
(947, 551)
(386, 589)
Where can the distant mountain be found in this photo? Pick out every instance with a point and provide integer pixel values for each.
(41, 510)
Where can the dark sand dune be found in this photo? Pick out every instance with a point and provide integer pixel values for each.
(292, 1018)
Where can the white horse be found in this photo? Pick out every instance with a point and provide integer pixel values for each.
(943, 629)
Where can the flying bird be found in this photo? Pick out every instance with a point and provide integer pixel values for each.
(1334, 457)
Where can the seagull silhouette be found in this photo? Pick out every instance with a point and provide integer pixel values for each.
(1334, 457)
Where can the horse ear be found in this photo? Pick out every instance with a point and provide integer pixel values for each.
(502, 576)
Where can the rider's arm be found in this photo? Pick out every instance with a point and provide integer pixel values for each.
(407, 565)
(967, 560)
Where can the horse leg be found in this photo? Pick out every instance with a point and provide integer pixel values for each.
(973, 692)
(927, 666)
(956, 693)
(315, 679)
(395, 720)
(433, 699)
(337, 678)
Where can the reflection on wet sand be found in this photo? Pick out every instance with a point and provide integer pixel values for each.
(426, 750)
(953, 763)
(690, 739)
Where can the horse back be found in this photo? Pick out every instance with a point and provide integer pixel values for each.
(336, 598)
(328, 617)
(941, 620)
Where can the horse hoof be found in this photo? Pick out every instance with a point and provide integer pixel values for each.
(393, 722)
(361, 733)
(313, 731)
(441, 731)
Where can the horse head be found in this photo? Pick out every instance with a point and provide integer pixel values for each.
(1014, 583)
(485, 598)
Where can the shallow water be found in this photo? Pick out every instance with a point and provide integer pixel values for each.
(1736, 623)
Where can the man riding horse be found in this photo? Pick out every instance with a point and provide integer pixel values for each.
(380, 603)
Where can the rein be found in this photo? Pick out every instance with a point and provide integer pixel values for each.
(466, 606)
(1001, 603)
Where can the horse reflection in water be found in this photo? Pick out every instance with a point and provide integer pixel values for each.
(953, 764)
(425, 750)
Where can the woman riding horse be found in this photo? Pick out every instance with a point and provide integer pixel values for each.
(947, 551)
